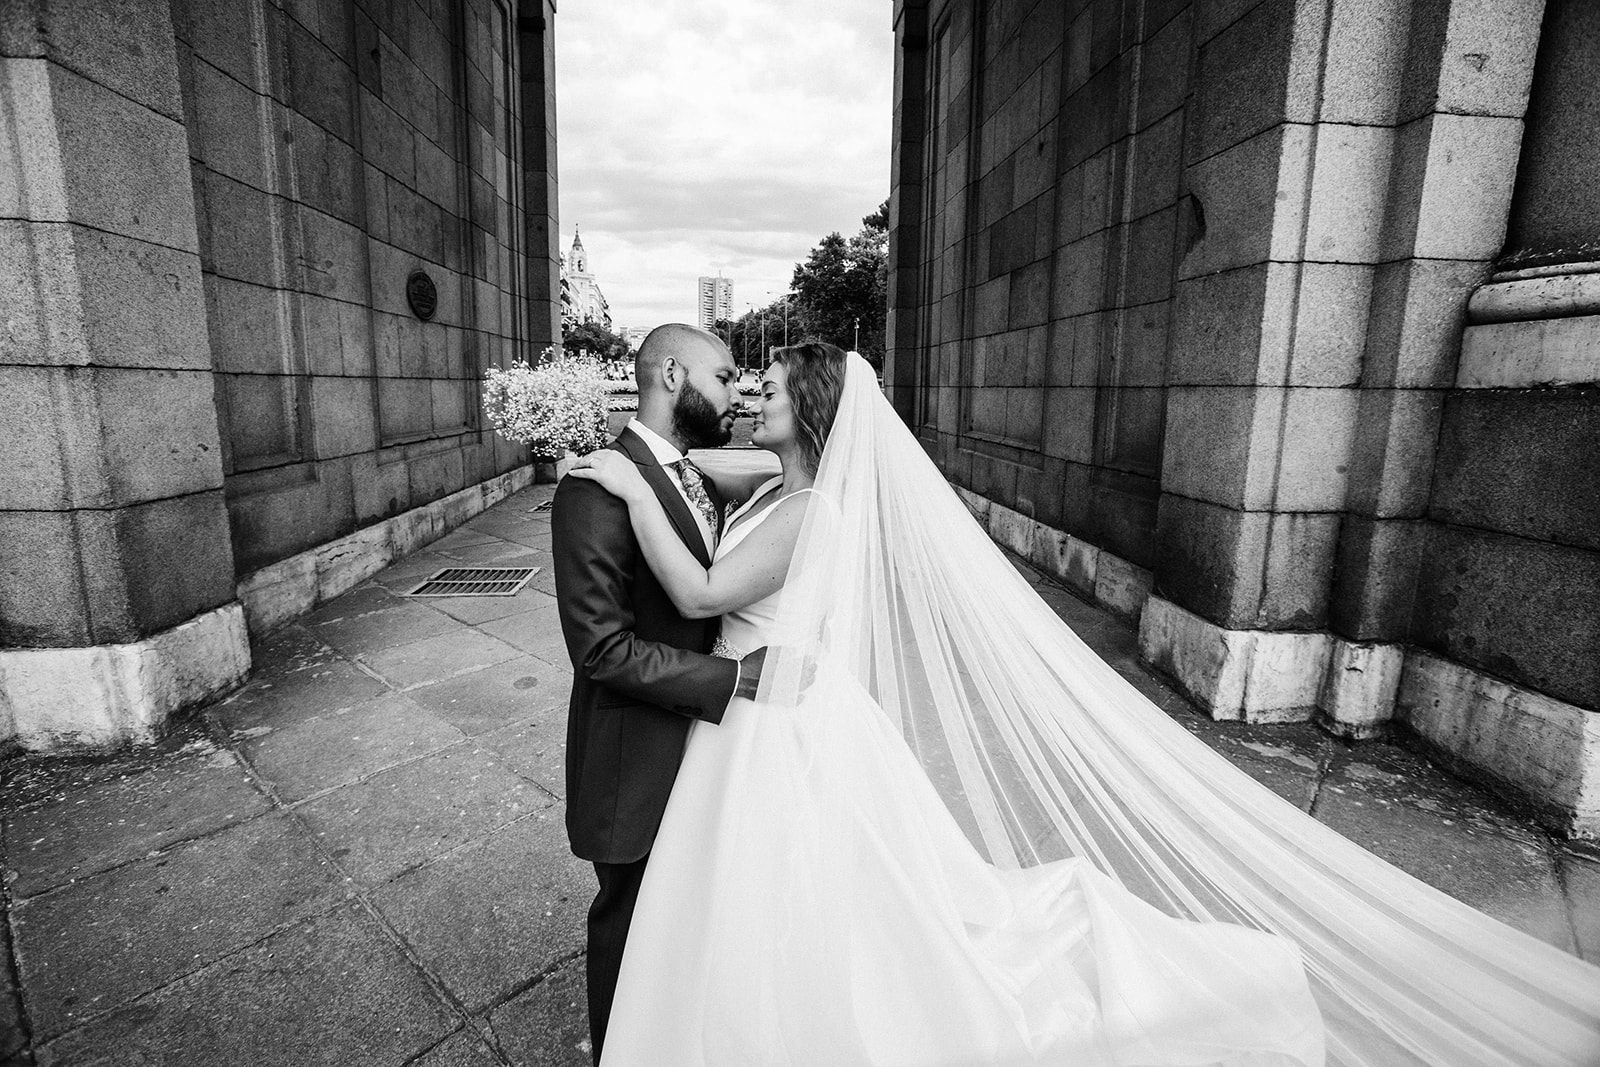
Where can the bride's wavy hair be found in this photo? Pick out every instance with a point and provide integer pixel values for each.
(815, 384)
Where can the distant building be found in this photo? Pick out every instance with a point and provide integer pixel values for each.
(634, 335)
(716, 300)
(581, 298)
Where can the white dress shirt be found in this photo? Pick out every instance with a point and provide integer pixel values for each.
(667, 454)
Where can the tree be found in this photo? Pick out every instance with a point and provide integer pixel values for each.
(841, 289)
(595, 340)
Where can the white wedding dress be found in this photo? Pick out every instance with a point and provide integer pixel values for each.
(811, 901)
(968, 841)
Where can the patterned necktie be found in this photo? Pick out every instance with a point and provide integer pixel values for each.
(694, 486)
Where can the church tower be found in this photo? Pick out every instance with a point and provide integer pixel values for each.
(577, 259)
(581, 298)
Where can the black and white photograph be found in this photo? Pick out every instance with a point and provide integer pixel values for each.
(739, 533)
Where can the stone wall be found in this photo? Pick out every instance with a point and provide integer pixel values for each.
(210, 210)
(337, 148)
(1189, 282)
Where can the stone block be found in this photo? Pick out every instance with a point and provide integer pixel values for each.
(387, 140)
(141, 304)
(1308, 434)
(354, 996)
(211, 29)
(1296, 571)
(1245, 219)
(330, 175)
(158, 431)
(227, 134)
(1452, 187)
(1539, 748)
(174, 555)
(1156, 166)
(1069, 423)
(343, 419)
(1164, 69)
(1415, 335)
(1367, 45)
(1375, 576)
(55, 458)
(44, 321)
(1530, 354)
(1202, 561)
(126, 48)
(42, 589)
(1349, 187)
(1209, 449)
(1488, 59)
(260, 414)
(1121, 586)
(1513, 462)
(526, 897)
(100, 942)
(320, 84)
(1393, 452)
(396, 819)
(33, 178)
(1011, 530)
(240, 225)
(1029, 295)
(102, 696)
(1079, 278)
(248, 327)
(333, 260)
(1242, 675)
(1328, 305)
(126, 167)
(1520, 609)
(1241, 77)
(1358, 695)
(992, 298)
(1217, 336)
(1149, 266)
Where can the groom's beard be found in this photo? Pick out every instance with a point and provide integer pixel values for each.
(697, 422)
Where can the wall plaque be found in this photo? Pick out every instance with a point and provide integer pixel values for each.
(422, 295)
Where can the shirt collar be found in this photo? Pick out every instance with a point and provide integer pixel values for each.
(665, 451)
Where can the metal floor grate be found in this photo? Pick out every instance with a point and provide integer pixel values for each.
(476, 581)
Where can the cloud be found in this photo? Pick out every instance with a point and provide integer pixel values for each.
(721, 134)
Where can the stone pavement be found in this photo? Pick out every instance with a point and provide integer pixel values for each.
(358, 858)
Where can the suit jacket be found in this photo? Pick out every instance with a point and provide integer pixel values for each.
(641, 673)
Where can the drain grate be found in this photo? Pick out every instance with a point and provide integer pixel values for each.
(476, 581)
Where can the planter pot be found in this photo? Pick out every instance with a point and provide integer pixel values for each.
(550, 471)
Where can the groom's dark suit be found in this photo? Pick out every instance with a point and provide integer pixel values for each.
(641, 675)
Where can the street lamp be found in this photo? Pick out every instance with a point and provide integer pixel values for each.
(857, 345)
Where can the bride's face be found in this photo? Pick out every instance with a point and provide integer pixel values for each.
(774, 426)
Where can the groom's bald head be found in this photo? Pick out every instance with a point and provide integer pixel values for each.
(689, 346)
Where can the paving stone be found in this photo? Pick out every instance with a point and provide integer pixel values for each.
(1447, 833)
(434, 659)
(343, 746)
(385, 628)
(490, 917)
(532, 631)
(1580, 877)
(479, 609)
(506, 693)
(535, 748)
(101, 942)
(527, 534)
(462, 1049)
(294, 677)
(394, 820)
(357, 602)
(406, 575)
(463, 537)
(547, 1025)
(332, 990)
(498, 553)
(102, 824)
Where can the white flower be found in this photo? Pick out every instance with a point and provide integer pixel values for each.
(554, 406)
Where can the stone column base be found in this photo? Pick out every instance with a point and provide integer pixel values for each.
(61, 699)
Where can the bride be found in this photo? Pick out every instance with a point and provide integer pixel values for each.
(945, 832)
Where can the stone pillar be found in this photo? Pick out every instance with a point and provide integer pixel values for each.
(902, 341)
(116, 583)
(536, 42)
(1348, 171)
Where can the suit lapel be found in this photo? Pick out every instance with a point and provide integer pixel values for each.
(678, 512)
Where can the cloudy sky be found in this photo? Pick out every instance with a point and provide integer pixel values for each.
(698, 135)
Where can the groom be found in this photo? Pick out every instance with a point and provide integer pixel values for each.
(641, 673)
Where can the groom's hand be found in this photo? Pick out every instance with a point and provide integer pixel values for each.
(750, 673)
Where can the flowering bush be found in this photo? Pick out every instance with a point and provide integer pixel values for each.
(555, 406)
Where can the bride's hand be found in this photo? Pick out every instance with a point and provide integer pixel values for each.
(616, 473)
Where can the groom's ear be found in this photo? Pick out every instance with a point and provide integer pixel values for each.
(671, 373)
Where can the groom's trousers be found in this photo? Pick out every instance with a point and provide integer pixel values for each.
(609, 917)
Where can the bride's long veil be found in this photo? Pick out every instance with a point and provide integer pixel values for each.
(1042, 751)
